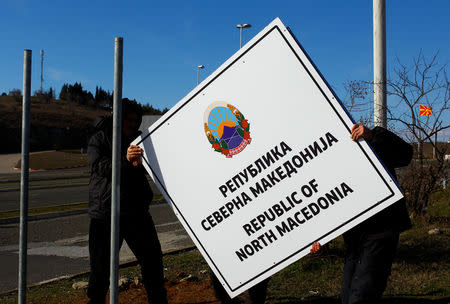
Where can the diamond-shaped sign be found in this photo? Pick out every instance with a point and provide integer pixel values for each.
(292, 174)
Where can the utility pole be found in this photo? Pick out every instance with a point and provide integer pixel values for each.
(42, 69)
(379, 62)
(369, 93)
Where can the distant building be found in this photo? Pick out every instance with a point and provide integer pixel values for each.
(428, 149)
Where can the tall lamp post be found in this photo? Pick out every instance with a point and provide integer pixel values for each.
(240, 27)
(198, 71)
(369, 119)
(379, 62)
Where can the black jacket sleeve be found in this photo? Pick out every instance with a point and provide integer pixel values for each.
(393, 151)
(135, 192)
(100, 156)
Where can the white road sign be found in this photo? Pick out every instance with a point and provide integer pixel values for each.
(257, 162)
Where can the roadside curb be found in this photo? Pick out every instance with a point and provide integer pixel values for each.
(46, 216)
(127, 264)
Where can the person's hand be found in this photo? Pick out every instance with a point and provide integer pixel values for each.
(134, 154)
(360, 130)
(315, 247)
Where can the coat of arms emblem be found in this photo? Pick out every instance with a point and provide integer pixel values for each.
(226, 128)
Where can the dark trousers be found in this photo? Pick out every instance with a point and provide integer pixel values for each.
(256, 294)
(367, 267)
(140, 234)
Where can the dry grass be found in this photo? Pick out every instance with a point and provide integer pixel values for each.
(420, 273)
(57, 113)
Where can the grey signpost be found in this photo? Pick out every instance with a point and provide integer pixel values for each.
(24, 177)
(116, 157)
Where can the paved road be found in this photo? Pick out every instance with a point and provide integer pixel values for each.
(48, 188)
(58, 247)
(6, 177)
(40, 195)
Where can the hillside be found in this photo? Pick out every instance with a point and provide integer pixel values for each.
(55, 124)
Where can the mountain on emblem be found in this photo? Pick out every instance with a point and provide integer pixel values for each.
(226, 128)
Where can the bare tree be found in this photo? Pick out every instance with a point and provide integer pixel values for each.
(424, 82)
(16, 93)
(355, 100)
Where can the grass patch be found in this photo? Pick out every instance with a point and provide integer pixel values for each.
(419, 273)
(56, 159)
(440, 204)
(44, 210)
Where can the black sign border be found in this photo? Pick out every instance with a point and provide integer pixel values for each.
(275, 27)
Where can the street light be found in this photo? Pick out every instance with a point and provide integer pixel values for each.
(198, 71)
(240, 27)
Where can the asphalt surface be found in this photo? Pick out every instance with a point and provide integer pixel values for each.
(59, 247)
(45, 175)
(48, 188)
(45, 196)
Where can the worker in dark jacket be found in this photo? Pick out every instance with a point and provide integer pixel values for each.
(136, 224)
(371, 245)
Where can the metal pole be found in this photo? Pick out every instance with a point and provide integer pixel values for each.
(379, 62)
(42, 69)
(370, 114)
(241, 27)
(24, 176)
(199, 67)
(240, 40)
(369, 120)
(116, 157)
(434, 147)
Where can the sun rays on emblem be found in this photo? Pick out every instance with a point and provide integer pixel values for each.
(219, 118)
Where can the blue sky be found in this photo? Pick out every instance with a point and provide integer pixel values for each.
(164, 41)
